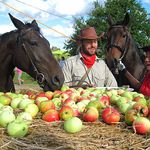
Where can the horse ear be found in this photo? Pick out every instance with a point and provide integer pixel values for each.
(126, 19)
(110, 21)
(17, 23)
(34, 23)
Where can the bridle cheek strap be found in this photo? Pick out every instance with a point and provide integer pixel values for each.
(40, 78)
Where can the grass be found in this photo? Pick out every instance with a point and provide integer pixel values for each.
(27, 79)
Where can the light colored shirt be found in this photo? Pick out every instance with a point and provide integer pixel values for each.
(99, 75)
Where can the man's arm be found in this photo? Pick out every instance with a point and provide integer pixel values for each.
(133, 81)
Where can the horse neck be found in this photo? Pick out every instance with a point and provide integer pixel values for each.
(133, 61)
(7, 48)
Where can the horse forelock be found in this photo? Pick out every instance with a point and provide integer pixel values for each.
(36, 28)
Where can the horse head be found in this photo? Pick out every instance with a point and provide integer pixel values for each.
(32, 54)
(117, 42)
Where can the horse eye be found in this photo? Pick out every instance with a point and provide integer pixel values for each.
(33, 42)
(124, 36)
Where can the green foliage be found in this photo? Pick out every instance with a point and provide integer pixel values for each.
(139, 22)
(58, 54)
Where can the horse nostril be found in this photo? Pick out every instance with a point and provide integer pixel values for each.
(56, 80)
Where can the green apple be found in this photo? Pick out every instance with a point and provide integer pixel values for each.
(64, 88)
(128, 95)
(5, 99)
(32, 109)
(6, 108)
(1, 105)
(81, 106)
(25, 116)
(73, 125)
(57, 102)
(114, 99)
(12, 95)
(17, 128)
(15, 102)
(23, 103)
(124, 107)
(6, 117)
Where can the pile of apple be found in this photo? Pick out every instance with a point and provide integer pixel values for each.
(73, 107)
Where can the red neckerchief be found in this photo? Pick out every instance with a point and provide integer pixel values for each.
(88, 60)
(145, 87)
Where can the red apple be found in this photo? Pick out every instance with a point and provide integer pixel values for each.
(69, 92)
(97, 104)
(90, 114)
(141, 125)
(66, 112)
(46, 105)
(64, 96)
(110, 115)
(142, 109)
(76, 113)
(69, 102)
(74, 96)
(80, 98)
(140, 99)
(105, 100)
(49, 94)
(38, 100)
(51, 115)
(130, 116)
(57, 93)
(31, 95)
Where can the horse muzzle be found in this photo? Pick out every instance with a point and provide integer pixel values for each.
(55, 83)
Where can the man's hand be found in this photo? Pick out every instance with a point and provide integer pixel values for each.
(121, 66)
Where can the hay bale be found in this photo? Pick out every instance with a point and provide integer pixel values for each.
(94, 136)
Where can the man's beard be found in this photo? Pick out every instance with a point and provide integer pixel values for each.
(86, 52)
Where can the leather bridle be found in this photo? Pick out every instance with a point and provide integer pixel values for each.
(122, 49)
(39, 77)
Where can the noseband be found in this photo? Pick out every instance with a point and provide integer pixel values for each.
(40, 78)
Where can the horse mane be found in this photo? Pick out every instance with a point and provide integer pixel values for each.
(5, 37)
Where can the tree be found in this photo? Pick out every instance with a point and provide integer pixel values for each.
(139, 25)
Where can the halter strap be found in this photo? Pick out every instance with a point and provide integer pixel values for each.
(39, 76)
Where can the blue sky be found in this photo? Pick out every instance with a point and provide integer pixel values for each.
(67, 9)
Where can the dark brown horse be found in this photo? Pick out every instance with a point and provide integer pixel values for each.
(27, 49)
(121, 46)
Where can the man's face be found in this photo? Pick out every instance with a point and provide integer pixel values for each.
(90, 46)
(147, 60)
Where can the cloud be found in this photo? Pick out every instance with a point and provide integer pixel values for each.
(60, 31)
(6, 28)
(146, 1)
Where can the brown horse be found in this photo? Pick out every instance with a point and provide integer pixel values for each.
(121, 46)
(27, 49)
